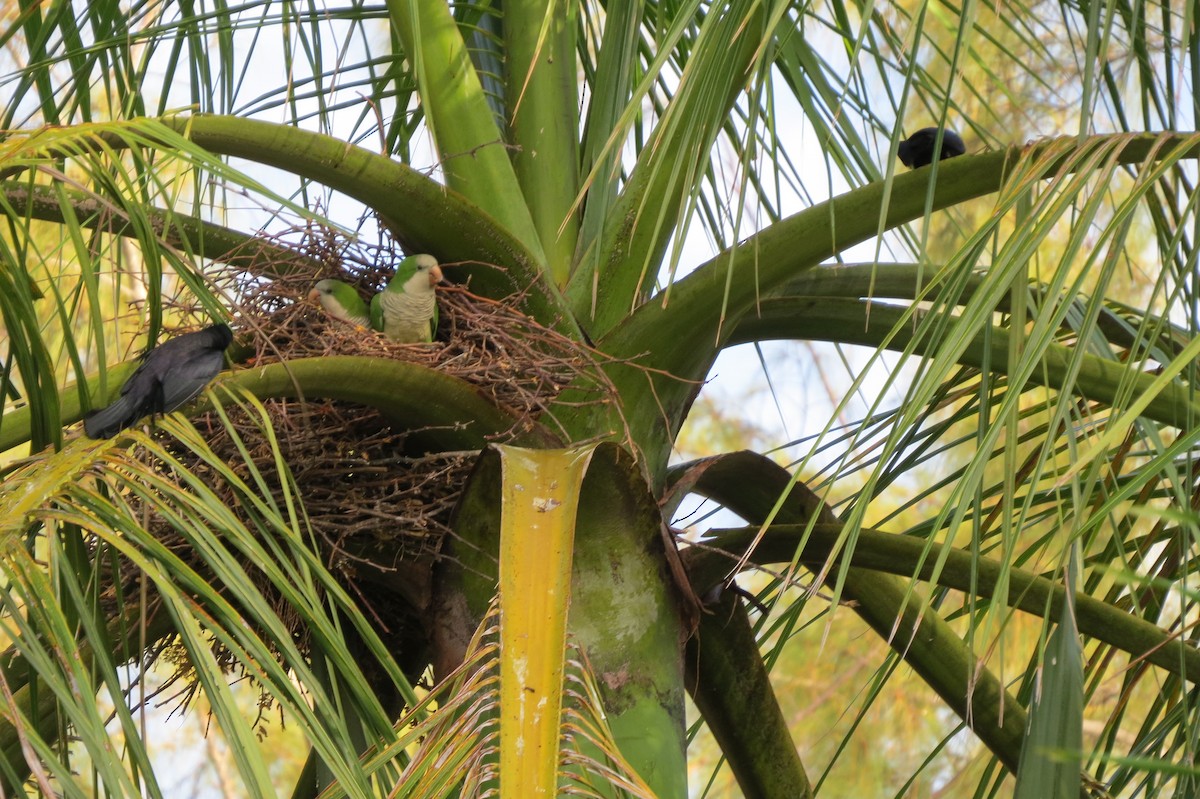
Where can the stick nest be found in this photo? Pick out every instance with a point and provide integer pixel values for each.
(376, 505)
(358, 477)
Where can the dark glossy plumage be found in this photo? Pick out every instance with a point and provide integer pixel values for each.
(917, 150)
(170, 375)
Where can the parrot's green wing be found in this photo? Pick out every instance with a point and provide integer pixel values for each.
(377, 313)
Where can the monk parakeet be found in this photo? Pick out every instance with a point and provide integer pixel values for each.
(170, 375)
(406, 310)
(917, 150)
(340, 301)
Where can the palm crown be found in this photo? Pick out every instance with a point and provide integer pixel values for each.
(339, 513)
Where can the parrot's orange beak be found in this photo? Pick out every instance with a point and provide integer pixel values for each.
(435, 275)
(314, 295)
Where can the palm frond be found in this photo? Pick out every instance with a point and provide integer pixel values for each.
(113, 516)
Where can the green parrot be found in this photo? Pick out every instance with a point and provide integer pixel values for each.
(406, 311)
(341, 301)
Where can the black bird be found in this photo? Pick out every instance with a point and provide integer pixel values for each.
(917, 150)
(170, 375)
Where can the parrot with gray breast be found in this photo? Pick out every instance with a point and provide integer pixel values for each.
(406, 311)
(340, 301)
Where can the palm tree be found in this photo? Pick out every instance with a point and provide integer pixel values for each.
(1033, 306)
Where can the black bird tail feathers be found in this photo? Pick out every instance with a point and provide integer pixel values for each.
(107, 422)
